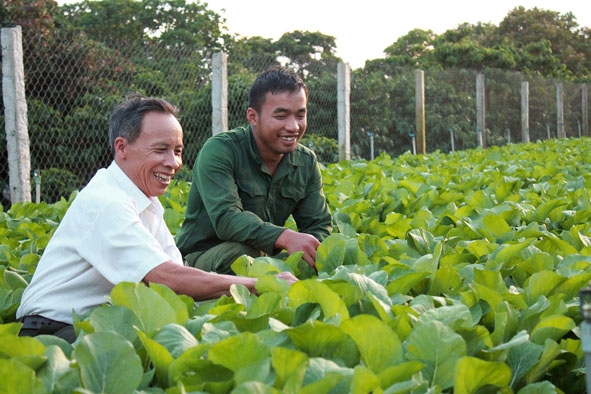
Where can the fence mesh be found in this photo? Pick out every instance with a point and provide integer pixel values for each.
(72, 84)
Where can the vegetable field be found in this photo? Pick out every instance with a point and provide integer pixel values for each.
(446, 273)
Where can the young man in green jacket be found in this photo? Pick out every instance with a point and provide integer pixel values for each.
(248, 181)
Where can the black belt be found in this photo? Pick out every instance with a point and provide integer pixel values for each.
(37, 322)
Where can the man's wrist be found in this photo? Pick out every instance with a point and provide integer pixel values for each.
(280, 242)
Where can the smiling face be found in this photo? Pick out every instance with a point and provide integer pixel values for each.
(280, 124)
(155, 156)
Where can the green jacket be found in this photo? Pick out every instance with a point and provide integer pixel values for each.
(233, 197)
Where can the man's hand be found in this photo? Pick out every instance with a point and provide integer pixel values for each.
(292, 241)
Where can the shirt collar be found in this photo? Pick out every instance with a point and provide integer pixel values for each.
(141, 200)
(293, 159)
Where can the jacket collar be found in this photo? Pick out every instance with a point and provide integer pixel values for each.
(293, 159)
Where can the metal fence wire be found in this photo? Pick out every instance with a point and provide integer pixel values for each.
(72, 84)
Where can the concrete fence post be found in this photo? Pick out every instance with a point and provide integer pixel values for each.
(524, 112)
(480, 111)
(15, 115)
(560, 130)
(420, 143)
(343, 110)
(219, 93)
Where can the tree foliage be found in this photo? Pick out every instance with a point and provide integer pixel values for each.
(306, 51)
(174, 22)
(533, 41)
(35, 16)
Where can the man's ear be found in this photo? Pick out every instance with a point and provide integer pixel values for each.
(120, 145)
(252, 116)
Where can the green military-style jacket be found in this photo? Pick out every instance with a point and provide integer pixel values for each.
(233, 196)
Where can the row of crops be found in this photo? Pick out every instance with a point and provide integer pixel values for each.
(446, 273)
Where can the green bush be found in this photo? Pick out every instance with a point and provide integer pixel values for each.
(327, 149)
(55, 183)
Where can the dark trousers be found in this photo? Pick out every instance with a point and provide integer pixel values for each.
(34, 325)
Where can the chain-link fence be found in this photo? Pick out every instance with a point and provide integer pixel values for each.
(72, 84)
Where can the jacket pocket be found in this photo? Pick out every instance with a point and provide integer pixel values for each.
(252, 195)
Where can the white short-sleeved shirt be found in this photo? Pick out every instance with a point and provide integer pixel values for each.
(111, 233)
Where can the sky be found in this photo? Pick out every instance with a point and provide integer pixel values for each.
(363, 29)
